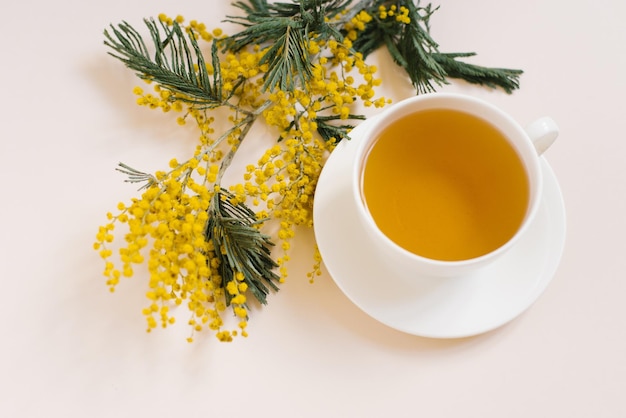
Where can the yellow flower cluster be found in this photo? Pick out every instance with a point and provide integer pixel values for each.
(357, 24)
(285, 176)
(172, 215)
(400, 14)
(169, 221)
(244, 65)
(197, 28)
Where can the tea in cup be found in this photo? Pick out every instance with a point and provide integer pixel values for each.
(446, 183)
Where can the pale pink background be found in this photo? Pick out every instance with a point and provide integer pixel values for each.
(69, 348)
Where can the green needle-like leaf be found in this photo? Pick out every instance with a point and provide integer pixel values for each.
(507, 79)
(285, 29)
(136, 176)
(178, 64)
(240, 247)
(412, 48)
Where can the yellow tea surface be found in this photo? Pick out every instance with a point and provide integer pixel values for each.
(445, 185)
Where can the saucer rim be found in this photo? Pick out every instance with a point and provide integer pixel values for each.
(551, 206)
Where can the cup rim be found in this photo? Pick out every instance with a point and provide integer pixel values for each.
(510, 129)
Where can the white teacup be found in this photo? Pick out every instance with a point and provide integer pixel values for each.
(408, 184)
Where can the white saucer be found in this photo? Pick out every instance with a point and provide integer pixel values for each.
(433, 307)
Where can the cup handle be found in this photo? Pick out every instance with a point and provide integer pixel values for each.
(542, 132)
